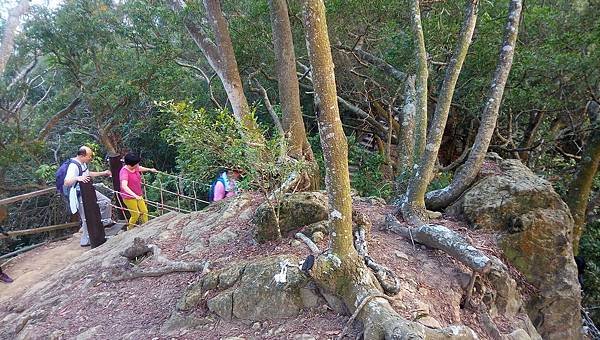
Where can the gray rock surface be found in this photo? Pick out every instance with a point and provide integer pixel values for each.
(296, 210)
(535, 227)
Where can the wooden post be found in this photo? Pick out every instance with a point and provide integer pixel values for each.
(115, 164)
(92, 214)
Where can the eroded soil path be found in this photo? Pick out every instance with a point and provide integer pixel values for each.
(29, 268)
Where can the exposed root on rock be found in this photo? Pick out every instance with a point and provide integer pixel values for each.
(309, 243)
(139, 248)
(386, 277)
(440, 237)
(350, 279)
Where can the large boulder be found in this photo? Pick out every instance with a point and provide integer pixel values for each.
(535, 228)
(295, 211)
(270, 288)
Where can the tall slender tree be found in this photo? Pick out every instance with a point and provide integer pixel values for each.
(413, 207)
(340, 270)
(289, 92)
(465, 175)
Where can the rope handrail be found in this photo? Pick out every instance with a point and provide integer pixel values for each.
(182, 178)
(177, 194)
(168, 207)
(130, 210)
(13, 199)
(153, 203)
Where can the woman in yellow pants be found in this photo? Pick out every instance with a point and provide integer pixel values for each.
(131, 189)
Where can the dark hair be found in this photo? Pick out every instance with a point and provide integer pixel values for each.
(131, 159)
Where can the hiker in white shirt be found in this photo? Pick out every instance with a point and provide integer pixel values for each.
(78, 171)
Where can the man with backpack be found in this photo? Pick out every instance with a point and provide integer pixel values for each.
(224, 186)
(68, 175)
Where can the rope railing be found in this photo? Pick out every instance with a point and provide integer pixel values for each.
(183, 178)
(161, 206)
(177, 194)
(168, 207)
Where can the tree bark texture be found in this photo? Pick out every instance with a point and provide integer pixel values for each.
(221, 58)
(10, 31)
(289, 92)
(406, 136)
(414, 204)
(465, 176)
(587, 168)
(440, 237)
(333, 140)
(421, 79)
(341, 270)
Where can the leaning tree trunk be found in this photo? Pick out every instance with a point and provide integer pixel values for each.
(10, 31)
(581, 185)
(413, 207)
(289, 92)
(221, 58)
(465, 176)
(228, 69)
(341, 270)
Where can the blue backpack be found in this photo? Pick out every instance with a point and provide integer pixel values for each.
(61, 173)
(211, 191)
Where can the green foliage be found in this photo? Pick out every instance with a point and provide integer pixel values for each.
(369, 179)
(46, 172)
(589, 248)
(440, 181)
(206, 143)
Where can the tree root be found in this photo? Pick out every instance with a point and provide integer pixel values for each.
(350, 279)
(358, 309)
(139, 248)
(386, 277)
(440, 237)
(309, 243)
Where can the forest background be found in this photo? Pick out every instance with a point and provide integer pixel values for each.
(129, 76)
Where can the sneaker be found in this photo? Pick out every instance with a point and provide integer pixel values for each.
(108, 223)
(5, 278)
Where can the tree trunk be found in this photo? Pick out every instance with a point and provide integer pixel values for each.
(406, 137)
(107, 141)
(535, 121)
(421, 80)
(289, 93)
(333, 140)
(221, 58)
(228, 69)
(413, 207)
(341, 270)
(581, 185)
(10, 31)
(465, 176)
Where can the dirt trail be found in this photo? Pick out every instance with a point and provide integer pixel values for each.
(33, 266)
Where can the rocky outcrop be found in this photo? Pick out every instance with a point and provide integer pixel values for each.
(296, 210)
(268, 289)
(536, 230)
